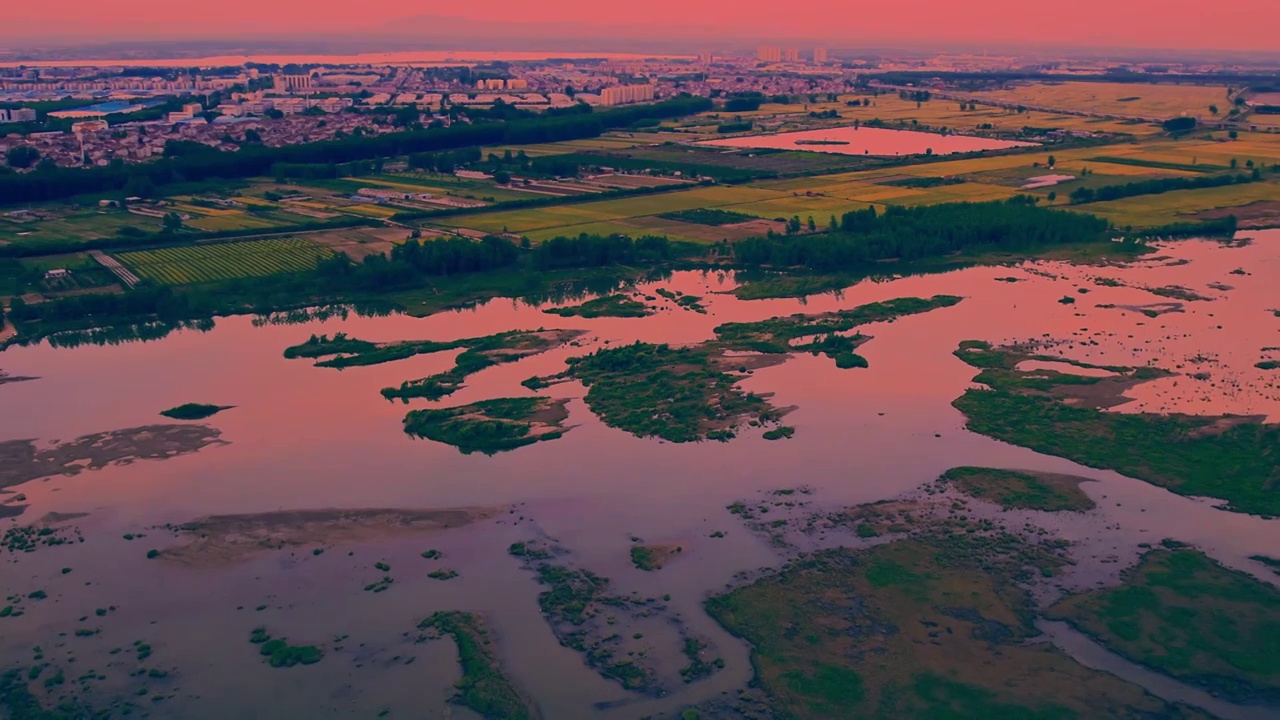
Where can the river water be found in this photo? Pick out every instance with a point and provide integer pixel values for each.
(303, 437)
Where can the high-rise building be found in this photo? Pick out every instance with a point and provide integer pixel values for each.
(706, 58)
(769, 54)
(623, 94)
(819, 55)
(291, 83)
(18, 115)
(791, 55)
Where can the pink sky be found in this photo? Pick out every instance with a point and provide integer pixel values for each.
(1226, 24)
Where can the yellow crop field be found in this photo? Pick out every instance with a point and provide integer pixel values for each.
(1150, 100)
(206, 263)
(1180, 205)
(572, 216)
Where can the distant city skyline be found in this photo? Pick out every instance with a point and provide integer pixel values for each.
(1228, 25)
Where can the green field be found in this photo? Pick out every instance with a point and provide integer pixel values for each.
(256, 258)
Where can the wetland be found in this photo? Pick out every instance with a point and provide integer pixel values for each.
(631, 505)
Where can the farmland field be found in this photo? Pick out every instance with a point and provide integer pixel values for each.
(937, 113)
(1179, 205)
(570, 217)
(1162, 100)
(256, 258)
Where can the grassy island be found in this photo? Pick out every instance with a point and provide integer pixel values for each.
(927, 627)
(619, 306)
(653, 557)
(491, 426)
(776, 335)
(481, 353)
(677, 394)
(1020, 489)
(280, 653)
(1232, 458)
(1187, 616)
(478, 353)
(194, 411)
(484, 687)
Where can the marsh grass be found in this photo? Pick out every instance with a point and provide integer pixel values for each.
(1019, 489)
(484, 687)
(616, 306)
(928, 627)
(1183, 614)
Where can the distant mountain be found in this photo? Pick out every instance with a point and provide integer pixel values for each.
(605, 36)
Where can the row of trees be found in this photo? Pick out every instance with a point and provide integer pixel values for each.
(445, 161)
(915, 233)
(1157, 186)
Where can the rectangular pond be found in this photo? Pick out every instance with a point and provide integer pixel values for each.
(852, 140)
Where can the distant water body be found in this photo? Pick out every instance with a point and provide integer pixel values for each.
(853, 140)
(426, 57)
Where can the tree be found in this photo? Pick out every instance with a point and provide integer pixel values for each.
(1053, 195)
(1233, 134)
(1052, 161)
(502, 177)
(22, 157)
(1234, 163)
(172, 222)
(252, 136)
(813, 226)
(139, 186)
(1213, 109)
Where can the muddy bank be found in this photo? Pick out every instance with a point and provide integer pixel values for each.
(22, 461)
(227, 538)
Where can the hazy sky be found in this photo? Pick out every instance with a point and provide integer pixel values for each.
(1225, 24)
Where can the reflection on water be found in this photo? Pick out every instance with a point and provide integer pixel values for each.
(306, 437)
(854, 140)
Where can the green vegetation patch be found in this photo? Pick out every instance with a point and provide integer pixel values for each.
(619, 306)
(1182, 613)
(318, 346)
(280, 653)
(1021, 489)
(929, 627)
(225, 261)
(572, 601)
(484, 687)
(653, 557)
(776, 335)
(481, 353)
(1234, 458)
(677, 394)
(341, 351)
(491, 426)
(194, 411)
(709, 216)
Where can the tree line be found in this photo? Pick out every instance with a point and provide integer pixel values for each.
(1156, 186)
(915, 233)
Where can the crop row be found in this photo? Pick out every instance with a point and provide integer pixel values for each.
(224, 261)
